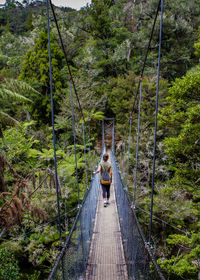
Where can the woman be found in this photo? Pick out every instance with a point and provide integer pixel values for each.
(105, 167)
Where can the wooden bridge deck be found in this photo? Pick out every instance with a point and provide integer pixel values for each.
(106, 258)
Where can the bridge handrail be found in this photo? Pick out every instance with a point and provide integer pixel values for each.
(140, 231)
(80, 209)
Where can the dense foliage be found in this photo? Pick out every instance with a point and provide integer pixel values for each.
(105, 45)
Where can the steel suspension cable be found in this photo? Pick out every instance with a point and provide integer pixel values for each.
(113, 137)
(74, 134)
(161, 220)
(129, 144)
(67, 62)
(156, 116)
(52, 115)
(137, 148)
(103, 136)
(139, 86)
(38, 227)
(146, 55)
(86, 171)
(123, 150)
(90, 156)
(123, 158)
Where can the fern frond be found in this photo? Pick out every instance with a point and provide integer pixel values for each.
(20, 86)
(14, 211)
(4, 193)
(19, 206)
(4, 116)
(7, 93)
(38, 212)
(26, 200)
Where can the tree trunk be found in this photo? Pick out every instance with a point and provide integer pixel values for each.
(2, 169)
(1, 132)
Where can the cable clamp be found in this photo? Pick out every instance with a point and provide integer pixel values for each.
(133, 206)
(148, 246)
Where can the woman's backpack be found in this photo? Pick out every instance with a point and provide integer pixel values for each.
(105, 177)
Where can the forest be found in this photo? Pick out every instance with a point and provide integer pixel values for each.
(105, 45)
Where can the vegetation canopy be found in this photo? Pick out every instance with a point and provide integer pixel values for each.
(105, 45)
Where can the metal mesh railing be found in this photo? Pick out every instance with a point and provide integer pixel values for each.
(139, 258)
(72, 261)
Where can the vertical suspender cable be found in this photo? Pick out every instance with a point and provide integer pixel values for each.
(137, 148)
(113, 137)
(90, 156)
(103, 136)
(52, 115)
(74, 133)
(129, 144)
(123, 157)
(156, 115)
(124, 153)
(86, 174)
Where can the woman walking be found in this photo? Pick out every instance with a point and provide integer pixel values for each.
(106, 178)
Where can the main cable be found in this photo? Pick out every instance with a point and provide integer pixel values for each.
(52, 115)
(137, 147)
(156, 116)
(65, 55)
(145, 59)
(86, 169)
(129, 144)
(74, 133)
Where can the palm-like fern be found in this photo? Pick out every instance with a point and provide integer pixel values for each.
(12, 90)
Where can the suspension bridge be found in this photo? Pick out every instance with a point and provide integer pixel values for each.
(106, 243)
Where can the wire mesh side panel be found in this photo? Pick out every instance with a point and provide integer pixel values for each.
(72, 261)
(139, 263)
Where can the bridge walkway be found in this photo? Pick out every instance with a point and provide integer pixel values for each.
(106, 258)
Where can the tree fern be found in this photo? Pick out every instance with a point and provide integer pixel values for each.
(12, 90)
(6, 93)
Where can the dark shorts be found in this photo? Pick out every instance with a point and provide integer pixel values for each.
(106, 191)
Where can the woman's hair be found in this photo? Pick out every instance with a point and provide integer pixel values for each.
(105, 157)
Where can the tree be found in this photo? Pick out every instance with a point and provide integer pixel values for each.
(12, 90)
(180, 121)
(35, 70)
(12, 50)
(9, 268)
(180, 26)
(108, 43)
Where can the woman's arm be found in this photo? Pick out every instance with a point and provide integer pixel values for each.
(111, 172)
(98, 170)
